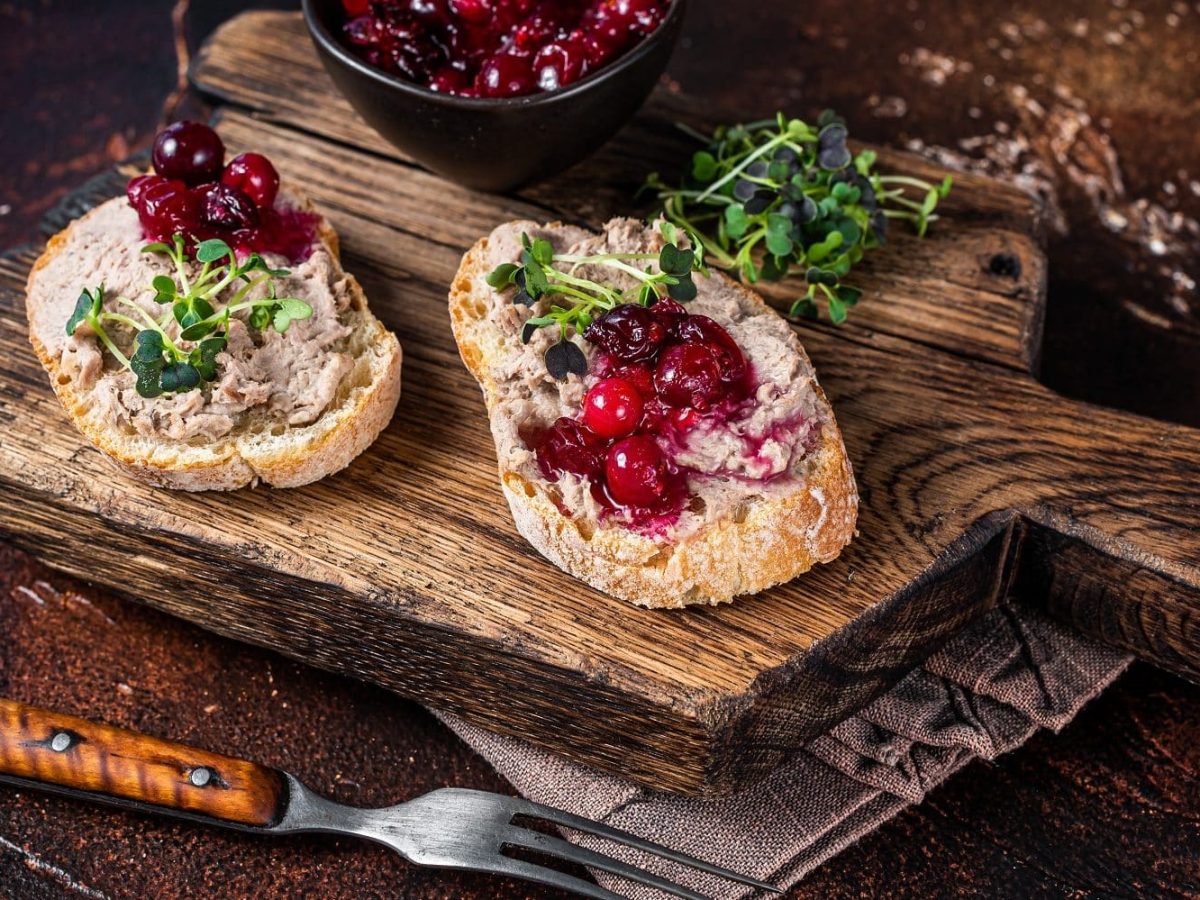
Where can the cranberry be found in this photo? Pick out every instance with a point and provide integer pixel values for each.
(729, 354)
(449, 80)
(356, 7)
(254, 176)
(559, 64)
(570, 446)
(139, 185)
(670, 313)
(641, 16)
(435, 12)
(189, 151)
(612, 408)
(478, 12)
(226, 207)
(504, 75)
(637, 473)
(689, 374)
(629, 332)
(534, 32)
(599, 47)
(362, 31)
(168, 209)
(640, 375)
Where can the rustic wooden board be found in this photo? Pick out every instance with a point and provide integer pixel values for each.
(406, 569)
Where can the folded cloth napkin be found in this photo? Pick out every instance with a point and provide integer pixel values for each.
(982, 694)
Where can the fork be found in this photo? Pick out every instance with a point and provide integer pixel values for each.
(449, 828)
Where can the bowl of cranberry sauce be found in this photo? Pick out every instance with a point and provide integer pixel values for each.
(494, 94)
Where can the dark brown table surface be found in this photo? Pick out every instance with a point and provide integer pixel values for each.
(1095, 105)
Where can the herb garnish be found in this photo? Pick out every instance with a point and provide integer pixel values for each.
(578, 301)
(778, 194)
(164, 364)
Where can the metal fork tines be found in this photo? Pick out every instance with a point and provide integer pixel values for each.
(462, 829)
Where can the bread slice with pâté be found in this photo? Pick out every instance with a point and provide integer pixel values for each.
(753, 485)
(282, 406)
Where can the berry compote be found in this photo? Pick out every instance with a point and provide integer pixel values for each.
(496, 48)
(194, 193)
(661, 372)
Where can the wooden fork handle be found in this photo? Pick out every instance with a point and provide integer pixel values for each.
(107, 763)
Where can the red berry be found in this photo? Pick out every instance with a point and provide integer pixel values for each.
(640, 375)
(362, 31)
(226, 207)
(449, 80)
(504, 75)
(670, 313)
(630, 333)
(189, 151)
(569, 446)
(729, 354)
(356, 7)
(640, 16)
(636, 472)
(167, 209)
(689, 375)
(612, 408)
(138, 186)
(559, 64)
(477, 12)
(599, 47)
(254, 176)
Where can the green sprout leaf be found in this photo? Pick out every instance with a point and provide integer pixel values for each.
(704, 166)
(204, 356)
(147, 363)
(87, 307)
(674, 261)
(542, 252)
(684, 290)
(179, 377)
(563, 359)
(213, 250)
(837, 310)
(736, 220)
(502, 276)
(288, 310)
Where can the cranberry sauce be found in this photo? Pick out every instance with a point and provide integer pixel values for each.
(496, 48)
(194, 193)
(661, 373)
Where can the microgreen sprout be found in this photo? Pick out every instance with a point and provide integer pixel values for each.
(770, 197)
(163, 363)
(576, 301)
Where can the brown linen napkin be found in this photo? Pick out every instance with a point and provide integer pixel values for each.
(981, 695)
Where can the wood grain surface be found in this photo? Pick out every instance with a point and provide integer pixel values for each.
(52, 748)
(964, 463)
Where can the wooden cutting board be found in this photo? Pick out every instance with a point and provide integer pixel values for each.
(406, 569)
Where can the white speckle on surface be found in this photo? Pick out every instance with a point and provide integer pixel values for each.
(815, 529)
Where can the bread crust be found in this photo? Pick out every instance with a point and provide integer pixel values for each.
(301, 455)
(777, 540)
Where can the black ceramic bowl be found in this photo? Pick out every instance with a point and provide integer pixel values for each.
(494, 145)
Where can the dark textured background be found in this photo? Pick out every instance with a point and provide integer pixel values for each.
(1094, 105)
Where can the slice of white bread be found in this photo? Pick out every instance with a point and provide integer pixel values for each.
(772, 535)
(259, 448)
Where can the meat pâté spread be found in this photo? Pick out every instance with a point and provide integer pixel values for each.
(289, 377)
